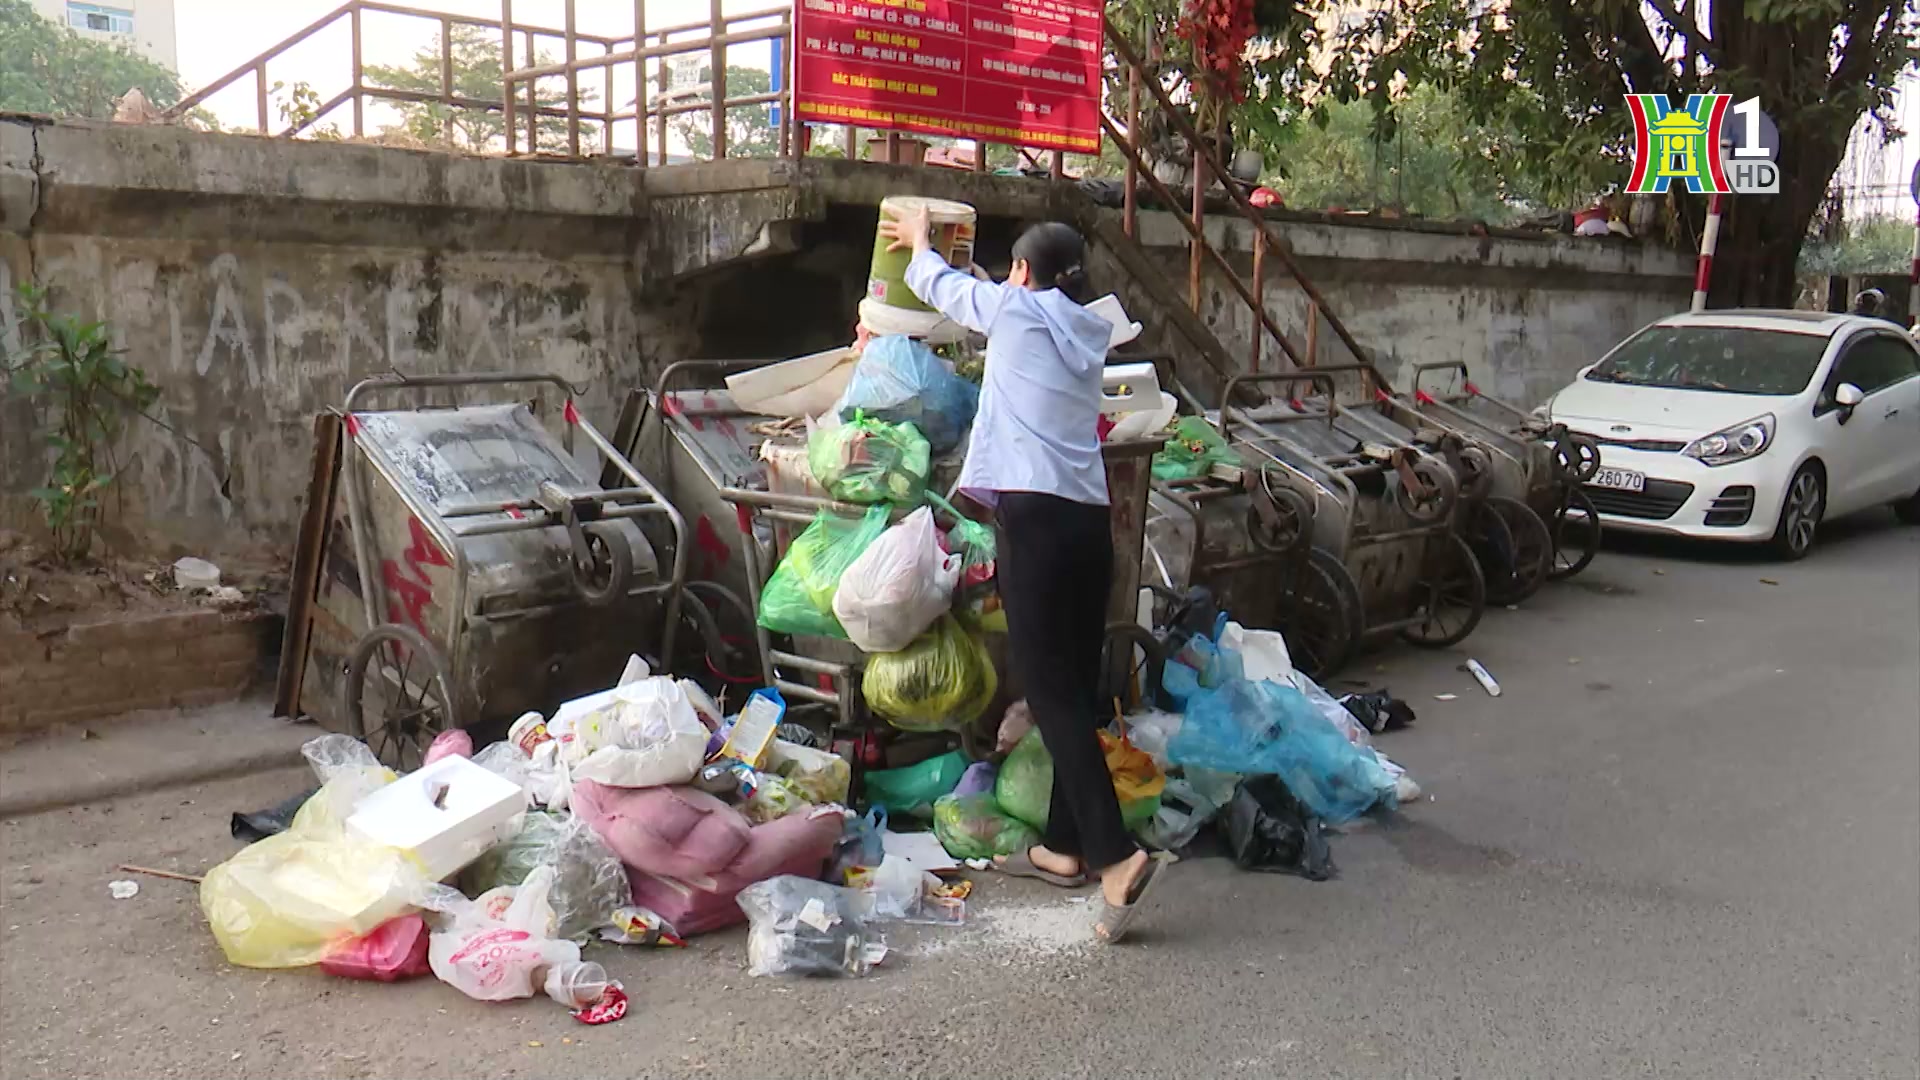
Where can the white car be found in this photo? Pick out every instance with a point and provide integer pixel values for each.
(1751, 425)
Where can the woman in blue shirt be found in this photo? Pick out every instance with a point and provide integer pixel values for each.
(1034, 459)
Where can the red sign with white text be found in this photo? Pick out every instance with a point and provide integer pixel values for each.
(1025, 72)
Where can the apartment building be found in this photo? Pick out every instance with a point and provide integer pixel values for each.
(146, 26)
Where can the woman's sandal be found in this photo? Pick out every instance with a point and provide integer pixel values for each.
(1020, 864)
(1115, 920)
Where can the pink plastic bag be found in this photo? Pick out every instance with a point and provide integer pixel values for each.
(455, 743)
(394, 950)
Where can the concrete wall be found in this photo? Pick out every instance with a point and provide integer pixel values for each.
(1523, 313)
(255, 281)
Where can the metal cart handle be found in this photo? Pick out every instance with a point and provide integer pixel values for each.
(397, 381)
(1420, 370)
(1317, 376)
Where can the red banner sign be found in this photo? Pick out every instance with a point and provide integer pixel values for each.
(1025, 72)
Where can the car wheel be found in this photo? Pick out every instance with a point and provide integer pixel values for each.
(1908, 509)
(1800, 512)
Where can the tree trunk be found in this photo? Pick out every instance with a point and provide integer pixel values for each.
(1761, 235)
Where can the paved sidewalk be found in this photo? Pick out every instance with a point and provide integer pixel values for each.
(146, 752)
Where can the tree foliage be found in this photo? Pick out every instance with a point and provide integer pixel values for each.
(47, 68)
(476, 77)
(1548, 76)
(1437, 162)
(750, 130)
(1874, 245)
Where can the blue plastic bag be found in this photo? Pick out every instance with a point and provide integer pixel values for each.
(900, 380)
(1234, 724)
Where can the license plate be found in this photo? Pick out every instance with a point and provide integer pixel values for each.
(1619, 480)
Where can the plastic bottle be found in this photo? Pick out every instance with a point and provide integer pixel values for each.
(577, 984)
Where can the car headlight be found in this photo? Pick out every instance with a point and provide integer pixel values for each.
(1737, 443)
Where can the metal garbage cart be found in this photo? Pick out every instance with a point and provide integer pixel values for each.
(471, 569)
(1556, 461)
(1329, 531)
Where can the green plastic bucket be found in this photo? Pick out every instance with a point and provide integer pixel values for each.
(953, 228)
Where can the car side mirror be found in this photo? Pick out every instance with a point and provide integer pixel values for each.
(1847, 397)
(1582, 373)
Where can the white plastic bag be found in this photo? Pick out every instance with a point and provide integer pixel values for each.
(642, 734)
(895, 887)
(498, 946)
(896, 588)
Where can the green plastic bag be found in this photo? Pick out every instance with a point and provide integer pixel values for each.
(1193, 448)
(871, 461)
(973, 827)
(1024, 787)
(943, 681)
(913, 789)
(798, 598)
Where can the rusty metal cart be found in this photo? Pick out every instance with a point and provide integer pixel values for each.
(1556, 461)
(1326, 534)
(473, 570)
(1499, 482)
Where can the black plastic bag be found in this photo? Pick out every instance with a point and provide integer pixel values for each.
(260, 824)
(1379, 711)
(1270, 831)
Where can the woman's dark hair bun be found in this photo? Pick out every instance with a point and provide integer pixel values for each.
(1055, 255)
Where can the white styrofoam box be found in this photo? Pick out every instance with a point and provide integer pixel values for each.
(477, 812)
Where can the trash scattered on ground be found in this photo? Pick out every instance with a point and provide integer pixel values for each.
(170, 875)
(192, 573)
(1768, 581)
(123, 889)
(1482, 676)
(1445, 697)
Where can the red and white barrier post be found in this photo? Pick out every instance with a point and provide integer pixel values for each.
(1709, 239)
(1913, 277)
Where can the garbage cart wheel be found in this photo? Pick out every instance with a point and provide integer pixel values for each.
(1476, 473)
(606, 578)
(1450, 596)
(1134, 680)
(1322, 622)
(1442, 491)
(395, 697)
(1525, 555)
(1576, 535)
(1577, 456)
(1279, 519)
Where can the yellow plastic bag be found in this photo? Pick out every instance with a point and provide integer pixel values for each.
(817, 775)
(944, 680)
(289, 900)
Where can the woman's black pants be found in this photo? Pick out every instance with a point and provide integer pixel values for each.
(1055, 569)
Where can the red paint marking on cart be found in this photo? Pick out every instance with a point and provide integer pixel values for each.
(714, 552)
(1472, 389)
(570, 414)
(1381, 395)
(353, 425)
(1424, 398)
(409, 592)
(744, 517)
(514, 513)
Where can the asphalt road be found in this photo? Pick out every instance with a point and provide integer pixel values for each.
(1685, 842)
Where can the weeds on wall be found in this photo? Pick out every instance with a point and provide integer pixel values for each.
(87, 393)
